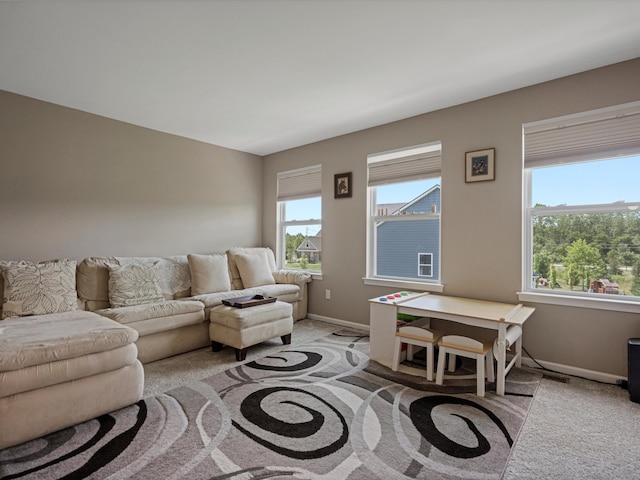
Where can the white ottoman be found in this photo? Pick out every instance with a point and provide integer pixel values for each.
(241, 328)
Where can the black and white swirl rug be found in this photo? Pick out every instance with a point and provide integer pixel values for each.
(318, 411)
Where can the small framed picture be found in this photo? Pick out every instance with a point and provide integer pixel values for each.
(342, 185)
(480, 165)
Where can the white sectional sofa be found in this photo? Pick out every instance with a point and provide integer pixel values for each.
(73, 332)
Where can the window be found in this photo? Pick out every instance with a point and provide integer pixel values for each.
(300, 219)
(403, 227)
(582, 215)
(425, 264)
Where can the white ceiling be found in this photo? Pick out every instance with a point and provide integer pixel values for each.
(263, 76)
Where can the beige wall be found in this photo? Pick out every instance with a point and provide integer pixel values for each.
(481, 222)
(75, 185)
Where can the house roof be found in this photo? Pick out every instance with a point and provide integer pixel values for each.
(263, 76)
(315, 245)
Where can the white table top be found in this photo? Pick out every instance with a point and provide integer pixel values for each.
(470, 308)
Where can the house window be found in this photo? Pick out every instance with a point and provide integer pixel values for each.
(404, 216)
(425, 264)
(582, 206)
(299, 242)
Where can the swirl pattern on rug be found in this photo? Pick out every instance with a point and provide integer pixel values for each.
(317, 411)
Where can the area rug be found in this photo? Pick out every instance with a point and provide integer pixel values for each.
(317, 411)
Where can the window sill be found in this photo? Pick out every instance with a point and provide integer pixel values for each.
(404, 284)
(614, 305)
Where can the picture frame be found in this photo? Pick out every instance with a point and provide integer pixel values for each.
(480, 165)
(342, 185)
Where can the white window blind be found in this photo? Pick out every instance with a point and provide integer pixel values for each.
(300, 183)
(605, 133)
(415, 163)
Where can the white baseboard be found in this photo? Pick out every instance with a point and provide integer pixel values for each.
(336, 321)
(575, 371)
(556, 367)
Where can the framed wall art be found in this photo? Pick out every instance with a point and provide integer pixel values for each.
(342, 185)
(480, 165)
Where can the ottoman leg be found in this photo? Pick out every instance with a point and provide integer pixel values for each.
(241, 354)
(216, 346)
(286, 339)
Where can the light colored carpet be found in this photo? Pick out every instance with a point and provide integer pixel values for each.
(575, 430)
(312, 410)
(578, 430)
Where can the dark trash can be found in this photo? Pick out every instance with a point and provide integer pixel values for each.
(634, 369)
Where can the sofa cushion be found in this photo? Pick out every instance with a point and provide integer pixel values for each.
(137, 313)
(254, 270)
(60, 371)
(42, 339)
(233, 268)
(38, 288)
(209, 273)
(133, 285)
(158, 317)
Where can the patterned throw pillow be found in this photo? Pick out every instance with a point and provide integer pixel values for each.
(38, 288)
(133, 285)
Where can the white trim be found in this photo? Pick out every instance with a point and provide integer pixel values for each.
(575, 371)
(336, 321)
(430, 264)
(404, 284)
(405, 152)
(600, 303)
(556, 367)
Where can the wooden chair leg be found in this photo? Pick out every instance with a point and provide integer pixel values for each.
(490, 371)
(216, 346)
(286, 339)
(429, 354)
(410, 351)
(442, 354)
(396, 354)
(452, 362)
(480, 361)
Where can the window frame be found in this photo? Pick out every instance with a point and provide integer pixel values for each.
(303, 190)
(429, 264)
(416, 152)
(562, 297)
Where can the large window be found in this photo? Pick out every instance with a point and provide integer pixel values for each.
(582, 206)
(403, 238)
(300, 219)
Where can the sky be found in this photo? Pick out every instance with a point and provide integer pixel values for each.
(588, 183)
(585, 183)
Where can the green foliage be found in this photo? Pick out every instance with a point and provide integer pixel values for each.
(542, 262)
(610, 242)
(584, 263)
(293, 242)
(635, 285)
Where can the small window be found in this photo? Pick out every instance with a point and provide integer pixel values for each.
(425, 264)
(299, 244)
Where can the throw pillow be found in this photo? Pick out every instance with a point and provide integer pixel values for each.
(133, 285)
(209, 273)
(254, 270)
(38, 288)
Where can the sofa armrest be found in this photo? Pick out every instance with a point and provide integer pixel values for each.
(294, 277)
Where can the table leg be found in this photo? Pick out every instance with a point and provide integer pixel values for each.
(501, 356)
(519, 351)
